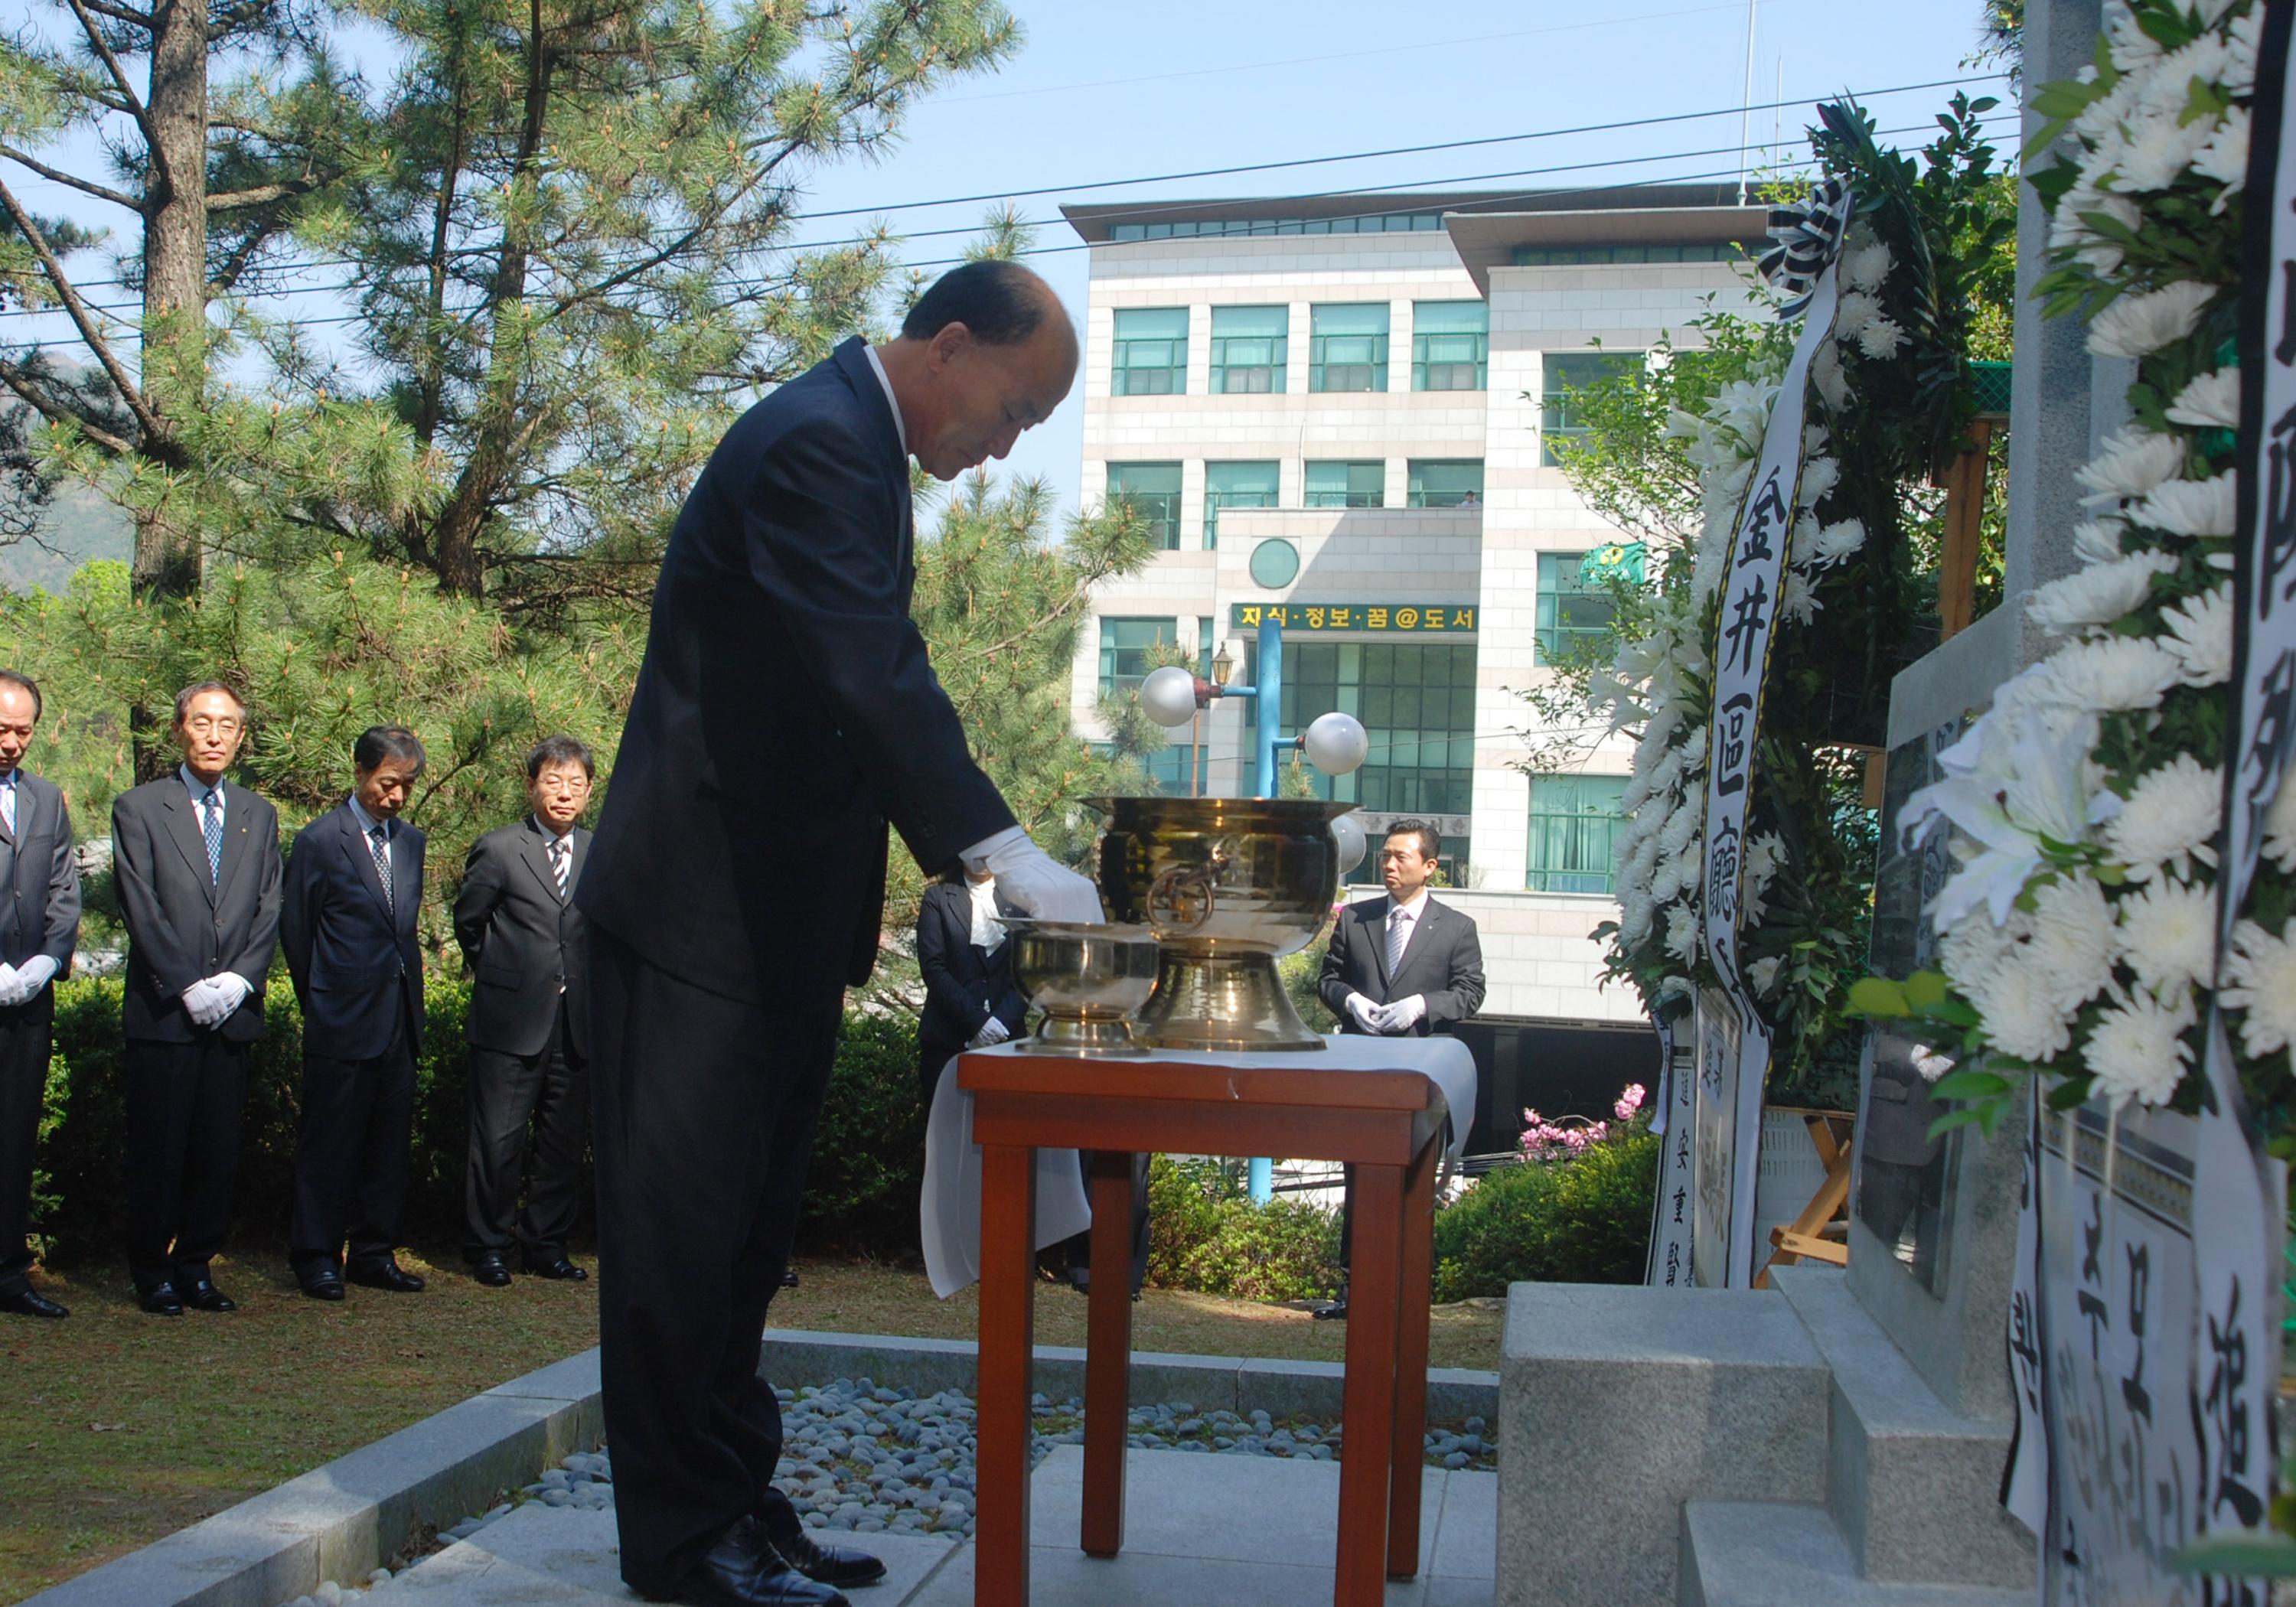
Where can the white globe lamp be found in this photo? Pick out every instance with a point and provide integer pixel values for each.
(1348, 832)
(1167, 696)
(1336, 743)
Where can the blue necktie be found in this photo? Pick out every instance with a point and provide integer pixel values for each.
(211, 814)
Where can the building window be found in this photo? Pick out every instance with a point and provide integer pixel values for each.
(1171, 769)
(1125, 649)
(1450, 342)
(1248, 485)
(1574, 820)
(1346, 347)
(1571, 610)
(1365, 223)
(1151, 352)
(1248, 348)
(1337, 483)
(1154, 489)
(1696, 250)
(1441, 482)
(1564, 371)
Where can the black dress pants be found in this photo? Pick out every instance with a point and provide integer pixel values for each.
(26, 1033)
(549, 1090)
(184, 1102)
(705, 1111)
(351, 1154)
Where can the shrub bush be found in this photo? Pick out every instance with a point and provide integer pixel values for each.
(868, 1164)
(1205, 1234)
(1583, 1220)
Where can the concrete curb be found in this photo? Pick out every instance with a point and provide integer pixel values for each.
(343, 1521)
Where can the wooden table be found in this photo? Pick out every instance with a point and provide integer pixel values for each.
(1389, 1123)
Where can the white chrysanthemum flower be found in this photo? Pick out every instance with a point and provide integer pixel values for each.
(1852, 313)
(1866, 265)
(2225, 157)
(2167, 934)
(2259, 977)
(1880, 339)
(1764, 856)
(2097, 541)
(1681, 830)
(2073, 225)
(1762, 975)
(2072, 940)
(1687, 866)
(2102, 115)
(1826, 373)
(1665, 882)
(1972, 947)
(2137, 1049)
(2168, 819)
(1675, 987)
(2134, 460)
(1636, 913)
(2138, 325)
(2241, 42)
(2159, 150)
(1930, 1064)
(2280, 827)
(2211, 401)
(2132, 48)
(2167, 90)
(2191, 507)
(2200, 635)
(1812, 440)
(1681, 933)
(1797, 598)
(2120, 672)
(2020, 1016)
(1802, 543)
(1692, 748)
(1819, 476)
(2098, 595)
(1838, 540)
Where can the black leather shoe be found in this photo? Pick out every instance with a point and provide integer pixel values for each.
(24, 1302)
(201, 1295)
(555, 1266)
(162, 1300)
(789, 1277)
(1336, 1312)
(837, 1565)
(385, 1274)
(320, 1282)
(744, 1570)
(491, 1270)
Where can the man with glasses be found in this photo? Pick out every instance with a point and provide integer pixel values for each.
(523, 942)
(196, 861)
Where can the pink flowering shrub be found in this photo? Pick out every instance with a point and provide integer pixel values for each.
(1572, 1135)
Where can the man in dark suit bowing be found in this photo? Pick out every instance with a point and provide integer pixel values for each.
(39, 927)
(1401, 965)
(784, 713)
(347, 916)
(196, 862)
(530, 1022)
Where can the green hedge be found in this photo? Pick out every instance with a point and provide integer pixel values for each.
(861, 1194)
(1204, 1234)
(1583, 1220)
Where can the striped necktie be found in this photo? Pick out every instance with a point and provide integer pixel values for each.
(379, 842)
(1398, 933)
(8, 800)
(211, 828)
(562, 857)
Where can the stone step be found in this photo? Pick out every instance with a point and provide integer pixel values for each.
(1741, 1554)
(1911, 1485)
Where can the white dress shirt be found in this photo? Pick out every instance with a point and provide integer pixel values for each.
(367, 823)
(877, 367)
(987, 931)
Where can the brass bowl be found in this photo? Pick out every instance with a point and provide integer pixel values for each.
(1227, 885)
(1088, 978)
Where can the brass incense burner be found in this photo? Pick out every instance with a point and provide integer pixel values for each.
(1086, 979)
(1228, 886)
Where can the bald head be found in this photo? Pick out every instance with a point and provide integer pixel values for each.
(987, 352)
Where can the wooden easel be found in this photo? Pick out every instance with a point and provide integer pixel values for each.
(1815, 1236)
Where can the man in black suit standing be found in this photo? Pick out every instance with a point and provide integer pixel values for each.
(971, 998)
(39, 926)
(784, 713)
(196, 861)
(530, 1022)
(1402, 965)
(353, 890)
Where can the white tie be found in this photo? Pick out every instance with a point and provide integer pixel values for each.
(1398, 933)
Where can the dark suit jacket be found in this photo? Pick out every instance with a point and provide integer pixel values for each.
(182, 925)
(960, 980)
(524, 945)
(1443, 964)
(39, 880)
(352, 957)
(785, 711)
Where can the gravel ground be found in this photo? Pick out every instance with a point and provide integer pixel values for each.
(862, 1458)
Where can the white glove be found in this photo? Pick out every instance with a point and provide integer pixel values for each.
(1399, 1016)
(231, 991)
(1365, 1013)
(1034, 881)
(199, 1003)
(8, 986)
(992, 1033)
(32, 976)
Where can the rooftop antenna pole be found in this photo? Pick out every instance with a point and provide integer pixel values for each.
(1746, 103)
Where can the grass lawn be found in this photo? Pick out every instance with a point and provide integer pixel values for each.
(121, 1428)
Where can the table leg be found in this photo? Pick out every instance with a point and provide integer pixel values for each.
(1108, 1353)
(1008, 1268)
(1408, 1476)
(1368, 1399)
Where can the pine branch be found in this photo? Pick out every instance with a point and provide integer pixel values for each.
(133, 106)
(20, 382)
(259, 195)
(154, 431)
(122, 14)
(118, 197)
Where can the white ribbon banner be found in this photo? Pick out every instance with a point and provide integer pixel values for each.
(1671, 1262)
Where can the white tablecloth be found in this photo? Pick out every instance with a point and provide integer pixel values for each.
(950, 1212)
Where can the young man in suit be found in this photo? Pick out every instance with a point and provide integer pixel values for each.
(353, 890)
(39, 926)
(196, 862)
(522, 938)
(785, 713)
(1401, 966)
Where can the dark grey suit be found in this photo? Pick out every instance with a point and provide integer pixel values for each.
(39, 914)
(187, 1084)
(528, 1027)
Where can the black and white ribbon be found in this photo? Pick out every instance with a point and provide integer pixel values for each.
(1753, 579)
(1672, 1263)
(1807, 236)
